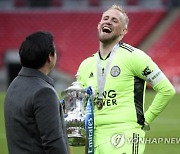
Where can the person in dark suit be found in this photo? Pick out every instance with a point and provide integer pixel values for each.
(34, 118)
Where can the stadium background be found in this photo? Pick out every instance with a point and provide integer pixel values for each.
(154, 27)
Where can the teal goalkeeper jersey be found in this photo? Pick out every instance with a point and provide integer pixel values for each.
(124, 90)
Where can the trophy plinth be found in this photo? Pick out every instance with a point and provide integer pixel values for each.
(76, 133)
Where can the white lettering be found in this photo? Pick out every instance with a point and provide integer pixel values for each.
(173, 141)
(167, 140)
(155, 77)
(148, 140)
(159, 140)
(177, 140)
(90, 135)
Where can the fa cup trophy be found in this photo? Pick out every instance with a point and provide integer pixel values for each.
(74, 100)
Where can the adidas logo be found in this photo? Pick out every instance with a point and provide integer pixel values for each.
(91, 75)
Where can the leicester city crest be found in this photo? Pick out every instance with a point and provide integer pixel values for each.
(115, 71)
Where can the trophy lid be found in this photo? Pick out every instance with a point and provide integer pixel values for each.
(75, 86)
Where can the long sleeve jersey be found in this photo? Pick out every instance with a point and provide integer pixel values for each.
(124, 90)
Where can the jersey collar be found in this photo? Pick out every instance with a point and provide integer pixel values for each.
(108, 54)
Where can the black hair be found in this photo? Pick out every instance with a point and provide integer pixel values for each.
(35, 49)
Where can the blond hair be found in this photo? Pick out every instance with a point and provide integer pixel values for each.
(121, 9)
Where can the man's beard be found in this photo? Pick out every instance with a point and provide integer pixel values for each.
(107, 39)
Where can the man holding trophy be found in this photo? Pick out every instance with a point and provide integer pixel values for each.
(117, 74)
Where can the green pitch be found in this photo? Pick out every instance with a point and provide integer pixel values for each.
(166, 126)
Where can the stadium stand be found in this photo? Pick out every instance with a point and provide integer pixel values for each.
(141, 24)
(166, 51)
(39, 3)
(132, 2)
(94, 2)
(75, 32)
(20, 3)
(56, 3)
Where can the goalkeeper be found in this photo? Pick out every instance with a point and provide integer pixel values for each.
(118, 73)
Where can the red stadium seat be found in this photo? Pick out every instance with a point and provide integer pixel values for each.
(141, 24)
(166, 51)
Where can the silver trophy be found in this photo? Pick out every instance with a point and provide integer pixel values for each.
(74, 101)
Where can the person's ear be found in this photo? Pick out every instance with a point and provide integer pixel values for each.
(49, 58)
(124, 31)
(98, 26)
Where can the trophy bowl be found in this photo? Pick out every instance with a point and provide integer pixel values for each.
(74, 101)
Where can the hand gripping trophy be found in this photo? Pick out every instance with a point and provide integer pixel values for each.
(75, 101)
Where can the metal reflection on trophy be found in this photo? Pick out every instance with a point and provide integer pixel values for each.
(74, 99)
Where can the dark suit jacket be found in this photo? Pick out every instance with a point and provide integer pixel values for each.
(34, 118)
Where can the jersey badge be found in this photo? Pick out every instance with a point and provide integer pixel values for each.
(115, 71)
